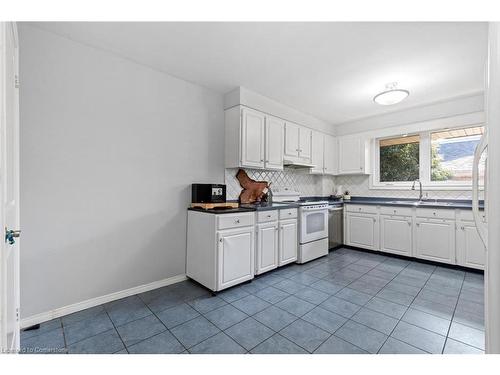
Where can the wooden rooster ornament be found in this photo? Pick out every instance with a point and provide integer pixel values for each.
(253, 191)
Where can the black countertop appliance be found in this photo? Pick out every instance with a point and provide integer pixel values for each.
(208, 193)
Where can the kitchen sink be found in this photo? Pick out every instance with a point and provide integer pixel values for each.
(403, 202)
(422, 203)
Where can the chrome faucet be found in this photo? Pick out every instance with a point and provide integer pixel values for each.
(413, 188)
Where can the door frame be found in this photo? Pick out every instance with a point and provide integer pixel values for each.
(4, 310)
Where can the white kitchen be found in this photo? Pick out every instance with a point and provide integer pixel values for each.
(250, 188)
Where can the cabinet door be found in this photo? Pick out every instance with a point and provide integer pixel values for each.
(291, 140)
(470, 249)
(267, 247)
(351, 155)
(330, 155)
(235, 257)
(305, 148)
(252, 138)
(362, 230)
(287, 242)
(395, 234)
(435, 240)
(274, 143)
(317, 154)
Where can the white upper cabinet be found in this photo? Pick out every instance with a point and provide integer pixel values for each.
(330, 161)
(297, 143)
(353, 155)
(291, 141)
(252, 138)
(274, 139)
(305, 139)
(318, 150)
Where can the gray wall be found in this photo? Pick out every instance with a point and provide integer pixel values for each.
(108, 150)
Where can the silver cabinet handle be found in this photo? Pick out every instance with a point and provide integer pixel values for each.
(268, 215)
(220, 239)
(237, 221)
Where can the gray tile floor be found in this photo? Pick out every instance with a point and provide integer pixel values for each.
(348, 302)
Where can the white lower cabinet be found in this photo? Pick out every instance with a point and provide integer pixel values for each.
(396, 234)
(267, 247)
(288, 241)
(437, 234)
(362, 230)
(235, 257)
(435, 240)
(220, 248)
(470, 248)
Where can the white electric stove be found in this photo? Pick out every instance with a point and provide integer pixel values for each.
(313, 224)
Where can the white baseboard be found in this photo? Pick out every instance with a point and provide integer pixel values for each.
(65, 310)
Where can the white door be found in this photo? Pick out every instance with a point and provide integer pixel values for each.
(435, 240)
(317, 156)
(362, 230)
(351, 153)
(235, 257)
(9, 188)
(291, 140)
(305, 136)
(274, 143)
(252, 138)
(395, 234)
(471, 251)
(267, 247)
(287, 242)
(330, 155)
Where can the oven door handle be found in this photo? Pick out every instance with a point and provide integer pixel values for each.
(315, 209)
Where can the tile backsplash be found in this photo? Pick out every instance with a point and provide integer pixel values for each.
(297, 179)
(359, 185)
(309, 185)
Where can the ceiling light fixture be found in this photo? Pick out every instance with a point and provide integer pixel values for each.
(391, 95)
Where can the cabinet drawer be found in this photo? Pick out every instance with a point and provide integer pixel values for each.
(289, 213)
(437, 213)
(467, 215)
(265, 216)
(394, 210)
(225, 221)
(361, 208)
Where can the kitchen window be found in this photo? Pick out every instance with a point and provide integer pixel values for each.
(399, 158)
(441, 159)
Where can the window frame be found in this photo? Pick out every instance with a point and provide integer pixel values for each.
(424, 164)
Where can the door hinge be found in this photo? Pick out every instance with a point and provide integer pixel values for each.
(16, 81)
(17, 314)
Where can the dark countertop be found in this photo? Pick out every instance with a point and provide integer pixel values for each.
(250, 207)
(225, 211)
(406, 202)
(266, 206)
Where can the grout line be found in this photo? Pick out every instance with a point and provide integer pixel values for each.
(114, 326)
(453, 315)
(332, 270)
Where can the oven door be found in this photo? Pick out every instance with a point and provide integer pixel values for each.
(313, 224)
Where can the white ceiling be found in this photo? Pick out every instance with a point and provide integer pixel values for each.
(329, 70)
